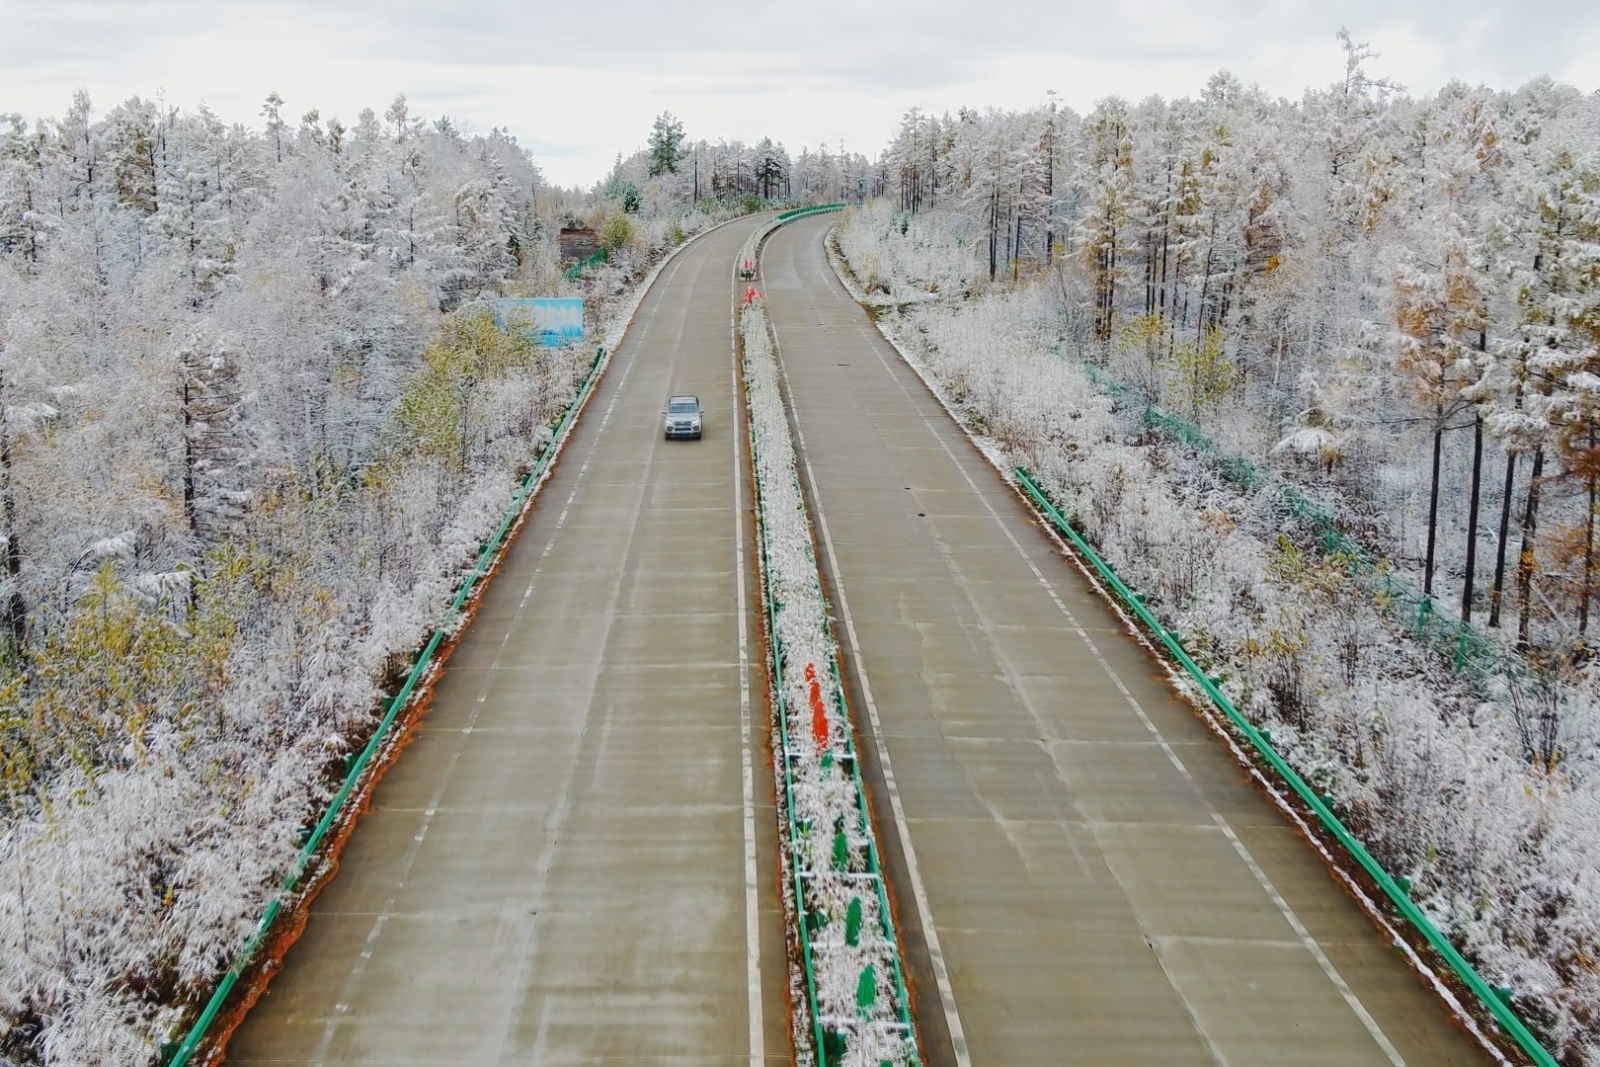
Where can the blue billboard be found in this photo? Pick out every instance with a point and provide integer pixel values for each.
(553, 320)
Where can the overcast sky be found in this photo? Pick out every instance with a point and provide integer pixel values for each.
(579, 81)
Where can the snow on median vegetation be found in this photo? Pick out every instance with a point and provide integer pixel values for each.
(848, 974)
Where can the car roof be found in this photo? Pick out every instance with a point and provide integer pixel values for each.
(686, 396)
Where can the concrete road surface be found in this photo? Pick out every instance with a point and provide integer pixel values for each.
(1090, 877)
(573, 862)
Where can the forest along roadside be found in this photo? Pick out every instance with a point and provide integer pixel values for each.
(247, 465)
(562, 851)
(1099, 872)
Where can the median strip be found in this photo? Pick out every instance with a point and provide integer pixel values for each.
(847, 971)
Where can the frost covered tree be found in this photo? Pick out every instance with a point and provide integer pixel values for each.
(666, 145)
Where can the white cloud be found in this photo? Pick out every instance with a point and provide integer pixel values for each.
(580, 82)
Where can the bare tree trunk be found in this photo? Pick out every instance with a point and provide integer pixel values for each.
(994, 235)
(15, 609)
(1588, 548)
(1149, 272)
(1016, 245)
(1166, 240)
(1433, 505)
(1111, 284)
(1472, 519)
(188, 461)
(1525, 561)
(1205, 287)
(1496, 593)
(1050, 201)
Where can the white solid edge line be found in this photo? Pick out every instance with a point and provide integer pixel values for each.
(752, 902)
(1302, 933)
(941, 974)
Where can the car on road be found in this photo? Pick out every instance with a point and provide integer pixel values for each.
(682, 417)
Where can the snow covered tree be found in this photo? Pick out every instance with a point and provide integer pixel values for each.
(1103, 227)
(666, 145)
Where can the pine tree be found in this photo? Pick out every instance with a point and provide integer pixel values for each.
(666, 145)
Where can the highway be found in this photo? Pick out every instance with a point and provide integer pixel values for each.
(1084, 874)
(573, 861)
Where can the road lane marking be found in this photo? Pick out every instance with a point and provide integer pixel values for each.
(752, 913)
(556, 824)
(1304, 935)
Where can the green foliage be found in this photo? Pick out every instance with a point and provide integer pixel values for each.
(1205, 375)
(624, 192)
(666, 145)
(117, 670)
(436, 416)
(1141, 342)
(617, 232)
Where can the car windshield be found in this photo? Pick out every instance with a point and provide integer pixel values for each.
(680, 405)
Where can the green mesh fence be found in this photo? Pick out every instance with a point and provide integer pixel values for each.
(589, 261)
(800, 212)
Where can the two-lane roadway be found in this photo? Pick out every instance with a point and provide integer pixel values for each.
(572, 863)
(1089, 876)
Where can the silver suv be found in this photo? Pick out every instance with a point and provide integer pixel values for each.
(682, 417)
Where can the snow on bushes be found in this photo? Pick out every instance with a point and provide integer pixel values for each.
(825, 834)
(1484, 797)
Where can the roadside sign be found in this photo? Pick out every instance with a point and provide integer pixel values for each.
(554, 320)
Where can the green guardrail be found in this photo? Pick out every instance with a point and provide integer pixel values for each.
(1495, 1000)
(180, 1055)
(577, 268)
(1470, 652)
(801, 212)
